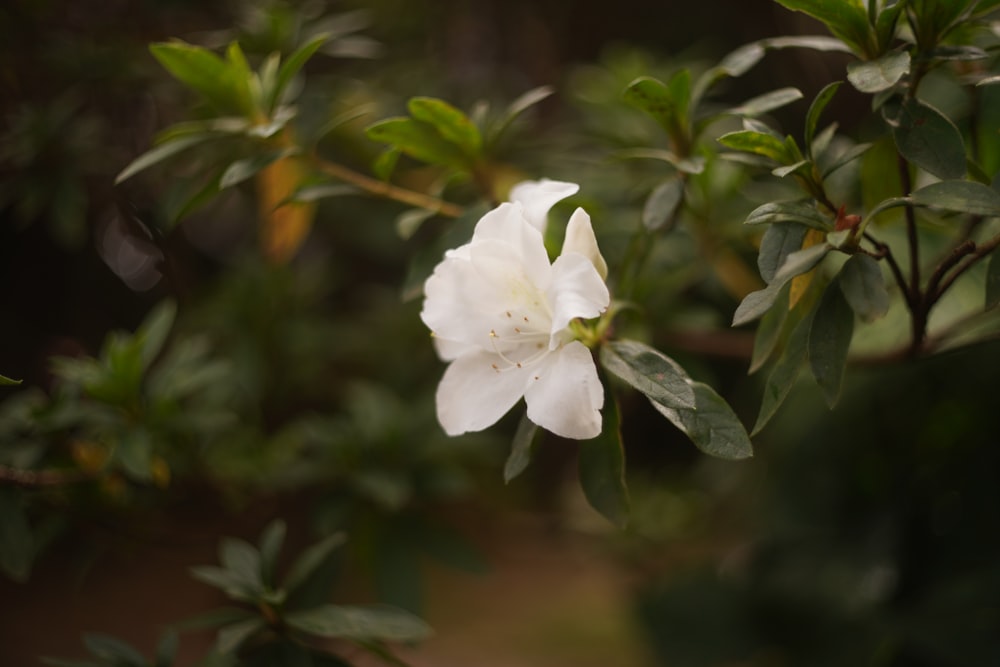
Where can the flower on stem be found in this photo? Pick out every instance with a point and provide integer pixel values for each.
(501, 313)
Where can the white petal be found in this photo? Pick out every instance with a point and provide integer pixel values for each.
(537, 197)
(449, 350)
(473, 395)
(453, 296)
(580, 238)
(565, 395)
(576, 290)
(506, 223)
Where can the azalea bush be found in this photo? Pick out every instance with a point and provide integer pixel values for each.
(386, 297)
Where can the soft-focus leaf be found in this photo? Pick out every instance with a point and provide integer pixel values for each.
(408, 222)
(451, 123)
(215, 79)
(847, 19)
(960, 196)
(816, 109)
(845, 158)
(786, 170)
(780, 240)
(802, 213)
(767, 102)
(153, 332)
(231, 637)
(310, 560)
(166, 649)
(6, 381)
(520, 449)
(135, 452)
(662, 203)
(864, 287)
(927, 138)
(666, 103)
(768, 333)
(784, 373)
(161, 153)
(523, 102)
(293, 65)
(712, 425)
(16, 540)
(758, 143)
(650, 371)
(993, 281)
(829, 340)
(602, 467)
(242, 559)
(246, 168)
(113, 650)
(380, 623)
(874, 76)
(417, 139)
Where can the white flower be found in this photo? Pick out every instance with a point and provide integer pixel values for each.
(500, 312)
(537, 197)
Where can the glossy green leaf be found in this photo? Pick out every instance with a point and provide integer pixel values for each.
(959, 196)
(219, 82)
(799, 212)
(784, 373)
(767, 102)
(847, 19)
(17, 544)
(602, 467)
(712, 425)
(779, 241)
(650, 371)
(819, 104)
(927, 138)
(758, 143)
(864, 287)
(882, 73)
(310, 560)
(417, 139)
(662, 203)
(375, 623)
(162, 152)
(829, 340)
(993, 281)
(520, 449)
(451, 123)
(6, 381)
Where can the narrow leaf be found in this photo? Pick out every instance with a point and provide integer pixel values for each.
(712, 425)
(241, 170)
(650, 371)
(662, 203)
(602, 467)
(113, 650)
(816, 109)
(864, 287)
(758, 143)
(755, 304)
(310, 560)
(768, 333)
(381, 623)
(784, 373)
(231, 637)
(293, 65)
(801, 261)
(271, 540)
(520, 449)
(829, 340)
(799, 212)
(161, 153)
(767, 102)
(960, 196)
(215, 79)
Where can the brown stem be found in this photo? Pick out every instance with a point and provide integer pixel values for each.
(387, 190)
(972, 253)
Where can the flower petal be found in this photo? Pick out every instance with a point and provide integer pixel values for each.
(580, 238)
(576, 290)
(565, 395)
(537, 197)
(473, 395)
(506, 223)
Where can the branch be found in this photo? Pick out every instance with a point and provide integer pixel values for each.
(387, 190)
(972, 254)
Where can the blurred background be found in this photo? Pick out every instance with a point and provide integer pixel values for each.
(304, 390)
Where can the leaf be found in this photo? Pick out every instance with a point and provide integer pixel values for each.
(6, 381)
(927, 138)
(293, 65)
(166, 649)
(153, 332)
(758, 143)
(134, 450)
(161, 153)
(379, 623)
(667, 104)
(767, 102)
(993, 281)
(650, 371)
(800, 212)
(241, 170)
(816, 109)
(780, 240)
(417, 139)
(520, 449)
(243, 560)
(960, 196)
(814, 42)
(846, 19)
(316, 192)
(451, 123)
(782, 377)
(829, 340)
(17, 544)
(602, 466)
(113, 651)
(231, 637)
(408, 222)
(216, 80)
(801, 261)
(711, 424)
(756, 304)
(882, 73)
(864, 287)
(781, 172)
(768, 332)
(310, 561)
(845, 158)
(662, 203)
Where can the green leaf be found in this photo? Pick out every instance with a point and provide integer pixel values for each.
(161, 153)
(134, 450)
(801, 261)
(408, 222)
(228, 582)
(231, 637)
(219, 82)
(520, 449)
(523, 102)
(385, 163)
(768, 333)
(17, 544)
(293, 65)
(152, 334)
(379, 623)
(780, 240)
(960, 196)
(782, 377)
(799, 212)
(845, 158)
(993, 281)
(874, 76)
(417, 139)
(847, 19)
(712, 425)
(6, 381)
(602, 467)
(451, 123)
(829, 340)
(243, 560)
(758, 143)
(767, 102)
(113, 651)
(310, 561)
(927, 138)
(666, 103)
(816, 109)
(241, 170)
(864, 287)
(662, 203)
(650, 371)
(755, 304)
